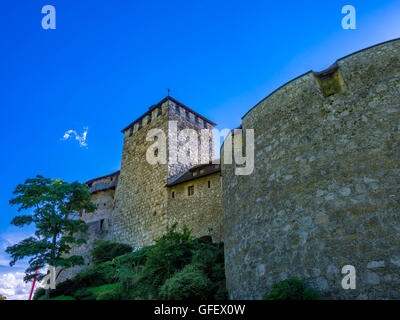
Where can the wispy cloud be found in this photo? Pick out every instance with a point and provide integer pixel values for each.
(81, 139)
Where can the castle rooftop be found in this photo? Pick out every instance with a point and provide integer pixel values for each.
(193, 173)
(157, 105)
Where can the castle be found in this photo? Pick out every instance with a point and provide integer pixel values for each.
(324, 193)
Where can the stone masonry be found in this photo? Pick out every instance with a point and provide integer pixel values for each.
(325, 191)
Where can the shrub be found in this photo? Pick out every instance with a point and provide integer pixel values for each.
(84, 294)
(40, 292)
(189, 284)
(291, 289)
(170, 253)
(63, 298)
(132, 259)
(107, 251)
(97, 275)
(109, 295)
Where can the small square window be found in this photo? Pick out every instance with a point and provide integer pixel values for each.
(190, 190)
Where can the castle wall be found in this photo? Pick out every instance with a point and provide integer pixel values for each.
(325, 191)
(99, 228)
(140, 214)
(200, 212)
(187, 120)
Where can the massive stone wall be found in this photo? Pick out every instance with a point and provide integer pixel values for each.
(325, 191)
(200, 212)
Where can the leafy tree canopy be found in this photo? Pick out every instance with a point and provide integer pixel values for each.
(52, 206)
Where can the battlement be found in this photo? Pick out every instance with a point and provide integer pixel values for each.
(162, 107)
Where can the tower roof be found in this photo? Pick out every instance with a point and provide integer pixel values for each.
(168, 98)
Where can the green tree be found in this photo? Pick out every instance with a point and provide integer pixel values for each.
(2, 297)
(52, 206)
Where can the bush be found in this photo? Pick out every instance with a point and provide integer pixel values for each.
(40, 292)
(109, 295)
(189, 284)
(132, 259)
(170, 253)
(97, 275)
(107, 251)
(84, 294)
(291, 289)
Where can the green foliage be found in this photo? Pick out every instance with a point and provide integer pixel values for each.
(291, 289)
(51, 203)
(63, 298)
(39, 292)
(110, 293)
(209, 258)
(97, 275)
(188, 284)
(175, 267)
(3, 297)
(84, 294)
(170, 253)
(107, 251)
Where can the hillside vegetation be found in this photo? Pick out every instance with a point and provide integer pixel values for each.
(176, 267)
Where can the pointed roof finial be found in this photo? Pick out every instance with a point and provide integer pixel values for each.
(168, 91)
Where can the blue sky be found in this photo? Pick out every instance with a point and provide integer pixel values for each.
(108, 61)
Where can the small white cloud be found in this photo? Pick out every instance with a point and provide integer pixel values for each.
(81, 139)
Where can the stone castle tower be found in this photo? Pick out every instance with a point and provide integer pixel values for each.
(142, 198)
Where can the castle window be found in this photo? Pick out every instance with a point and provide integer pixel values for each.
(205, 125)
(140, 126)
(196, 120)
(209, 184)
(159, 113)
(173, 194)
(101, 224)
(148, 120)
(130, 132)
(177, 110)
(187, 116)
(190, 190)
(156, 153)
